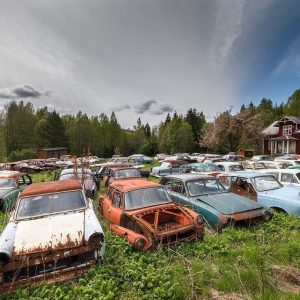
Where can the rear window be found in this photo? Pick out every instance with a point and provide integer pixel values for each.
(40, 205)
(126, 173)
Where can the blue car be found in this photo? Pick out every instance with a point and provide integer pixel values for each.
(168, 167)
(265, 189)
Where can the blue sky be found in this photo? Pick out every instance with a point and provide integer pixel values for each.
(146, 58)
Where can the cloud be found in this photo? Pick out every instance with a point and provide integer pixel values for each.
(145, 106)
(120, 108)
(163, 108)
(153, 107)
(22, 91)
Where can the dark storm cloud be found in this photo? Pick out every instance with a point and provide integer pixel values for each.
(22, 91)
(145, 106)
(121, 108)
(163, 108)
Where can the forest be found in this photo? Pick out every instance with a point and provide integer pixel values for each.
(24, 129)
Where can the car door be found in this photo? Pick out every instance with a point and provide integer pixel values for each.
(116, 209)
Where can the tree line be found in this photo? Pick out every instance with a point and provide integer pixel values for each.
(24, 129)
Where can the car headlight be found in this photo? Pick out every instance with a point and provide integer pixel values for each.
(199, 219)
(139, 244)
(96, 239)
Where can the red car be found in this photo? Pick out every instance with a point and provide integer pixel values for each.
(142, 212)
(121, 174)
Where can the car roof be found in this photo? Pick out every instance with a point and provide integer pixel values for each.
(246, 174)
(10, 174)
(288, 171)
(126, 185)
(190, 177)
(79, 170)
(123, 168)
(51, 187)
(175, 161)
(225, 163)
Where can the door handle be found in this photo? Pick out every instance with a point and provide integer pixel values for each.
(109, 210)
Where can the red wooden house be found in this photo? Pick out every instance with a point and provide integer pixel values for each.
(282, 137)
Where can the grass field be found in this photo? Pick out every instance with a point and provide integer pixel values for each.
(261, 262)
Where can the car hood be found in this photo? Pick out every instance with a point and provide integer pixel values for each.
(228, 203)
(167, 216)
(54, 232)
(5, 191)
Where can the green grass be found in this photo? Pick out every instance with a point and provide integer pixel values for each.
(257, 263)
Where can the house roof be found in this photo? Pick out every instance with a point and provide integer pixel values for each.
(271, 130)
(289, 118)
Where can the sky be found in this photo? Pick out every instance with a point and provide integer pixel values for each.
(147, 58)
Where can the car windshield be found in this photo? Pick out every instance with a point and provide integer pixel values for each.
(78, 176)
(205, 168)
(146, 197)
(236, 168)
(266, 183)
(127, 173)
(7, 182)
(205, 186)
(39, 205)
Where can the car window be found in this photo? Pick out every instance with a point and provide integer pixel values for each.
(204, 186)
(7, 182)
(146, 197)
(178, 186)
(221, 167)
(116, 202)
(236, 168)
(258, 166)
(167, 182)
(287, 177)
(266, 183)
(39, 205)
(270, 166)
(126, 173)
(276, 175)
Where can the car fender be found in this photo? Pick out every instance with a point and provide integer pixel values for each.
(7, 239)
(129, 235)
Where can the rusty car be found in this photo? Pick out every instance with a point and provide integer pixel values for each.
(121, 173)
(11, 184)
(53, 235)
(141, 212)
(207, 196)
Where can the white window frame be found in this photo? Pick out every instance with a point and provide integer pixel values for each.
(287, 130)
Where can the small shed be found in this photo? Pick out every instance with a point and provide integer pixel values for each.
(56, 152)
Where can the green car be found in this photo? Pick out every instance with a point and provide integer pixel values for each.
(207, 196)
(11, 184)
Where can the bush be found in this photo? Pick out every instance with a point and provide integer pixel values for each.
(22, 154)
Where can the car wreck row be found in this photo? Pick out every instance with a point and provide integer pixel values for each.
(54, 234)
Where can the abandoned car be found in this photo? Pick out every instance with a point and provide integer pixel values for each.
(85, 176)
(11, 184)
(265, 190)
(167, 167)
(142, 212)
(53, 234)
(207, 196)
(121, 174)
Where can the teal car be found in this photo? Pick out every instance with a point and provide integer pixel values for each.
(207, 196)
(11, 184)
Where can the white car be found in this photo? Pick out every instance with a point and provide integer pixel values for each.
(229, 166)
(286, 176)
(52, 235)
